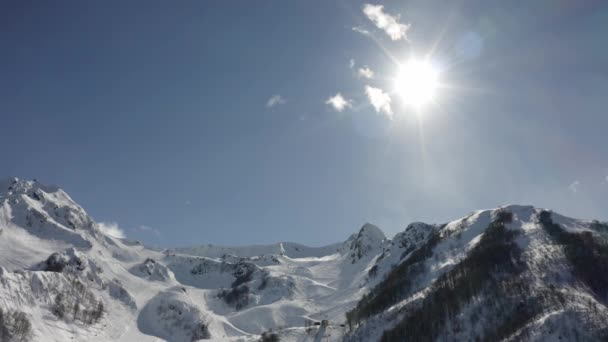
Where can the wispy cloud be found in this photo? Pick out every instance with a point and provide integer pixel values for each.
(574, 186)
(112, 229)
(386, 22)
(361, 30)
(351, 63)
(338, 102)
(147, 229)
(275, 100)
(365, 72)
(380, 100)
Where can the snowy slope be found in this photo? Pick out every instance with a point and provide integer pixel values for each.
(511, 273)
(52, 255)
(290, 249)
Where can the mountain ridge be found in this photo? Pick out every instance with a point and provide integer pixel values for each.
(368, 287)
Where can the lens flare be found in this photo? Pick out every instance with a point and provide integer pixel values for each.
(416, 83)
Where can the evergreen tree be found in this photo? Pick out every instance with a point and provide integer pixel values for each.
(76, 310)
(21, 327)
(58, 308)
(98, 312)
(4, 332)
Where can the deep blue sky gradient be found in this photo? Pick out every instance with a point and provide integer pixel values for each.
(154, 113)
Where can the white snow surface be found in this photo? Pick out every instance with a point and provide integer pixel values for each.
(174, 294)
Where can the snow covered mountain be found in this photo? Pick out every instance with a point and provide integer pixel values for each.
(511, 273)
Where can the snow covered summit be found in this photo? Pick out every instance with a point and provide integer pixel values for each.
(508, 273)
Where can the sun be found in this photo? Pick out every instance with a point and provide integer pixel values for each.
(416, 82)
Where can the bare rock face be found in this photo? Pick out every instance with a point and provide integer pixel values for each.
(369, 240)
(172, 316)
(152, 270)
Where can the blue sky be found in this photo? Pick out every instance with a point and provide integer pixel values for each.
(209, 122)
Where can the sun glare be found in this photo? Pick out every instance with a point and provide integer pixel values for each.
(416, 82)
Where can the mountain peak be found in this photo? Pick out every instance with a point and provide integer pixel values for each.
(44, 211)
(23, 186)
(372, 232)
(369, 240)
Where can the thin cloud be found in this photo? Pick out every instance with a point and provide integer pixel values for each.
(351, 63)
(386, 22)
(365, 72)
(147, 229)
(338, 102)
(112, 229)
(574, 187)
(380, 100)
(361, 30)
(275, 100)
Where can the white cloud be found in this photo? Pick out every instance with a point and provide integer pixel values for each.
(380, 100)
(361, 30)
(275, 100)
(386, 22)
(112, 229)
(338, 102)
(351, 63)
(147, 229)
(574, 186)
(365, 72)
